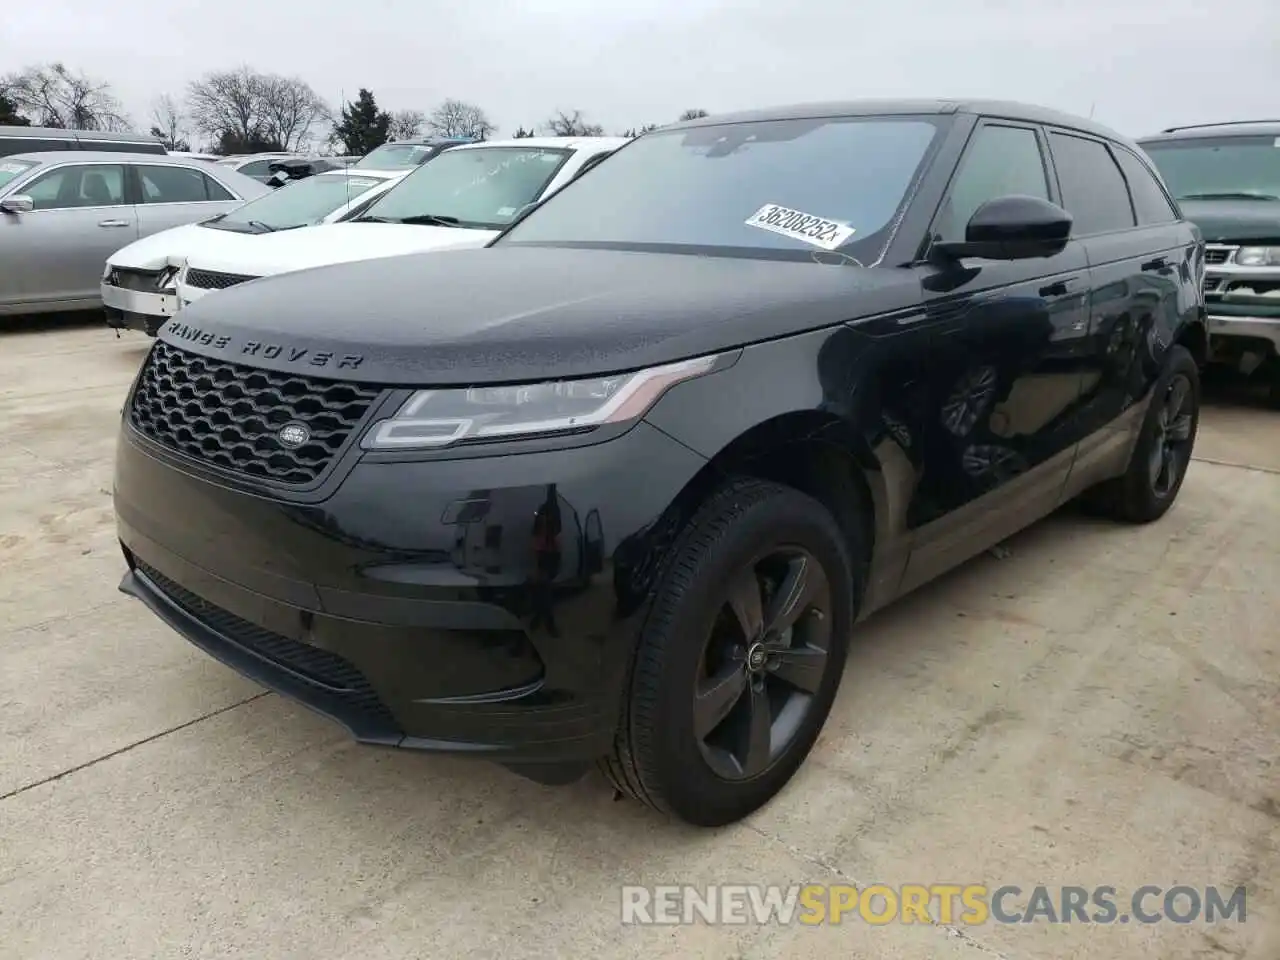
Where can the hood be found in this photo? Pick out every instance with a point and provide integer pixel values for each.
(1235, 221)
(328, 243)
(511, 313)
(158, 250)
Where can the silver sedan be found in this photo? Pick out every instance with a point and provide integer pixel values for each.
(63, 214)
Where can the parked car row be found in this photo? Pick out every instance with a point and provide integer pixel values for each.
(615, 484)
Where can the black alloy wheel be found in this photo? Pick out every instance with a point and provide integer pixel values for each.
(1171, 450)
(763, 663)
(740, 655)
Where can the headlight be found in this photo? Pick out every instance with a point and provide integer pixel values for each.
(431, 419)
(1258, 257)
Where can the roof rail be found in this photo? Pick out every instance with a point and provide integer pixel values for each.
(1220, 123)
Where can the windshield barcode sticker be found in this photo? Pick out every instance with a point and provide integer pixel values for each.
(827, 234)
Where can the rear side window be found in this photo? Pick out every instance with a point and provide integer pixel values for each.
(1149, 200)
(177, 185)
(999, 162)
(1093, 189)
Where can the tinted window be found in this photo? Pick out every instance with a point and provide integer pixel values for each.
(1148, 199)
(1211, 167)
(257, 168)
(785, 188)
(1093, 190)
(87, 185)
(999, 161)
(480, 187)
(173, 185)
(10, 146)
(122, 146)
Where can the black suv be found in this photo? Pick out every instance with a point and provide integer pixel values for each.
(617, 488)
(1226, 178)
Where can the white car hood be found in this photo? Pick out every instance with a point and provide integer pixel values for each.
(170, 247)
(330, 243)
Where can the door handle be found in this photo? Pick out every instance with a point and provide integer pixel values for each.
(113, 223)
(1159, 263)
(1059, 288)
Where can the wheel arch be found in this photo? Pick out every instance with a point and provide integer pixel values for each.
(817, 453)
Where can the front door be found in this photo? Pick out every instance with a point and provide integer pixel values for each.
(992, 411)
(57, 251)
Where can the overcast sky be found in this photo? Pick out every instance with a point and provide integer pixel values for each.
(1139, 64)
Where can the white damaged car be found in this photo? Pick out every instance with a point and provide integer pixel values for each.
(462, 198)
(138, 289)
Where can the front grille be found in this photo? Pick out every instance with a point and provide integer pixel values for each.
(1212, 283)
(1214, 256)
(229, 415)
(212, 280)
(320, 668)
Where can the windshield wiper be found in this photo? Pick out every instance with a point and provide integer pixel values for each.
(368, 219)
(432, 220)
(260, 226)
(1232, 195)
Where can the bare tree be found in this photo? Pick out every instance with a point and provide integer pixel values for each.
(697, 113)
(406, 124)
(54, 96)
(227, 105)
(456, 118)
(572, 125)
(289, 110)
(168, 123)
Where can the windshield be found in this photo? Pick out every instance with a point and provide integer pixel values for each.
(478, 187)
(397, 156)
(296, 204)
(12, 169)
(783, 188)
(1219, 167)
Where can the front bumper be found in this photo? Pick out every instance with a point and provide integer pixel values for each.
(137, 309)
(410, 605)
(1263, 330)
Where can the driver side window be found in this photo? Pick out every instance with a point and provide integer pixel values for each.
(999, 161)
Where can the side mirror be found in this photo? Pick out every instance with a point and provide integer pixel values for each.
(18, 203)
(1011, 228)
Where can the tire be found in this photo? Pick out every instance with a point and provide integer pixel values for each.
(748, 532)
(1135, 497)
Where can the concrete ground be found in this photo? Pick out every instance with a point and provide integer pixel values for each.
(1099, 707)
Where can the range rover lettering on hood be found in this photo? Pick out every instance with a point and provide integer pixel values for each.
(264, 349)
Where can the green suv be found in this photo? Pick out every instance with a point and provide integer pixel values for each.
(1226, 178)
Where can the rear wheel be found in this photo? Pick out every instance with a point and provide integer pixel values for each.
(739, 662)
(1147, 490)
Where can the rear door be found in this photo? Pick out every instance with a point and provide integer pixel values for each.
(1141, 257)
(57, 251)
(168, 195)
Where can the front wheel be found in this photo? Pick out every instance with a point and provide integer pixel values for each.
(739, 661)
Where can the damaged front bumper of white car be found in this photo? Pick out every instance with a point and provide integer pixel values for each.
(138, 299)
